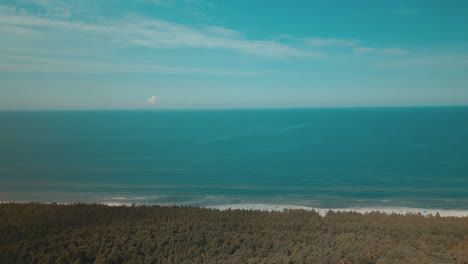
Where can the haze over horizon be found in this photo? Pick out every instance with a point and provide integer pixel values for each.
(178, 54)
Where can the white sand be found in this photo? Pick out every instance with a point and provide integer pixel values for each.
(323, 211)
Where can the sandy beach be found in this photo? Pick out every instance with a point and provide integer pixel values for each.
(323, 211)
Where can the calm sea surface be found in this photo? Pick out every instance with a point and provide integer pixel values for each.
(413, 157)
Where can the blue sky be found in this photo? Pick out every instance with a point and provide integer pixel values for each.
(165, 54)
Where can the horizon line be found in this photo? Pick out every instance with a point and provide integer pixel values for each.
(230, 109)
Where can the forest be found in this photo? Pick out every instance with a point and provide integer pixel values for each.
(93, 233)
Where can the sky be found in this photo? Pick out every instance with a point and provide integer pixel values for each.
(184, 54)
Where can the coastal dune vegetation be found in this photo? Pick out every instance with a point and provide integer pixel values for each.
(93, 233)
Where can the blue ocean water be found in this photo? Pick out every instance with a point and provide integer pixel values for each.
(328, 158)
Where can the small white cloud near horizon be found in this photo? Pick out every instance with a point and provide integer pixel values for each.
(152, 100)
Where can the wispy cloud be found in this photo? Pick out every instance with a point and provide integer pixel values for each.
(436, 62)
(353, 45)
(155, 34)
(15, 30)
(220, 31)
(173, 2)
(20, 63)
(159, 2)
(389, 51)
(321, 42)
(38, 35)
(53, 8)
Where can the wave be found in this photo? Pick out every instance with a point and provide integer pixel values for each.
(283, 207)
(362, 210)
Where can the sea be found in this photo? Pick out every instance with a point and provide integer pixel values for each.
(413, 157)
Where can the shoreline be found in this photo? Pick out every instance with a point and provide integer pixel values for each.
(361, 210)
(285, 207)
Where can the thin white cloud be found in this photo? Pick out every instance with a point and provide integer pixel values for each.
(438, 62)
(21, 63)
(220, 31)
(155, 34)
(53, 8)
(15, 30)
(24, 32)
(323, 42)
(159, 2)
(354, 44)
(370, 50)
(152, 100)
(155, 2)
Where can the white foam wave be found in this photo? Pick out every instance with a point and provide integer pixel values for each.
(321, 211)
(363, 210)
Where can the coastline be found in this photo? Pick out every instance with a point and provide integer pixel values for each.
(361, 210)
(284, 207)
